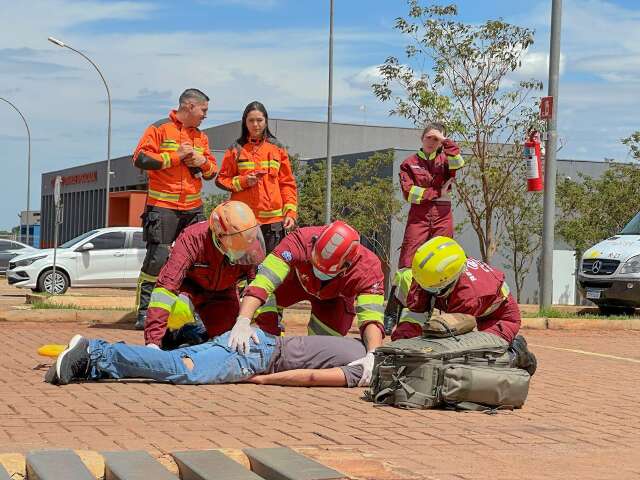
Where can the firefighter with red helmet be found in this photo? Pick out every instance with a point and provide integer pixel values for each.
(327, 266)
(195, 297)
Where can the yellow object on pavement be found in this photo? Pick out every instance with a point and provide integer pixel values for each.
(51, 350)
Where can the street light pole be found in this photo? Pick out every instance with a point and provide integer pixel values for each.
(62, 44)
(28, 164)
(327, 213)
(546, 287)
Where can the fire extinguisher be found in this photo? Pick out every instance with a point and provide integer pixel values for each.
(532, 155)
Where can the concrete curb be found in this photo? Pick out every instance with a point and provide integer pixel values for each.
(543, 323)
(64, 315)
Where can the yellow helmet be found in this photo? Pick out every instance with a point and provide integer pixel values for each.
(438, 263)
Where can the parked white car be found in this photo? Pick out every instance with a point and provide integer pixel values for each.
(609, 272)
(106, 257)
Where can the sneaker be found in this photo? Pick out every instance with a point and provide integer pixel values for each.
(140, 321)
(524, 358)
(74, 362)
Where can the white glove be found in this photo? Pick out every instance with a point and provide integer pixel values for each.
(367, 369)
(240, 335)
(152, 345)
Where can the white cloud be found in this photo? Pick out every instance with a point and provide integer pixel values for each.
(365, 78)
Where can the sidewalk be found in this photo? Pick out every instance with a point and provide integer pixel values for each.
(581, 415)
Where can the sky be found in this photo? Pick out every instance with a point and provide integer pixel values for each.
(275, 51)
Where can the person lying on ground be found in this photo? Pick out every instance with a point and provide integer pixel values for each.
(303, 361)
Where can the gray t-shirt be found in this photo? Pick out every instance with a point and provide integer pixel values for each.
(319, 351)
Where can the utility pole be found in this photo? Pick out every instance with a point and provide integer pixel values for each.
(327, 207)
(546, 279)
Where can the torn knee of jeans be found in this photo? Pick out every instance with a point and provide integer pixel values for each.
(188, 363)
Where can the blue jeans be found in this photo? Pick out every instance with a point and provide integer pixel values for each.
(213, 361)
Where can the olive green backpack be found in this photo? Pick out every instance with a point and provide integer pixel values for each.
(469, 371)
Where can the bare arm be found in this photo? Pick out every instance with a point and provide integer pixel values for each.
(372, 337)
(330, 377)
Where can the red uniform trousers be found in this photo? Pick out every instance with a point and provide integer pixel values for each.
(423, 223)
(504, 322)
(335, 313)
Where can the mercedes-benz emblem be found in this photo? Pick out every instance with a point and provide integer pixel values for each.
(597, 265)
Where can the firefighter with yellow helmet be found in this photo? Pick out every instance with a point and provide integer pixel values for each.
(443, 277)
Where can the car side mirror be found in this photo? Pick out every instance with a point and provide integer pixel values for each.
(86, 247)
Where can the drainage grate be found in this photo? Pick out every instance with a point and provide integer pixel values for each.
(266, 464)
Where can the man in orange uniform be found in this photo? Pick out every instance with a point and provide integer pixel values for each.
(175, 154)
(425, 179)
(256, 170)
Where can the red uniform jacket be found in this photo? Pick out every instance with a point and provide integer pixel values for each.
(480, 291)
(362, 282)
(422, 176)
(197, 267)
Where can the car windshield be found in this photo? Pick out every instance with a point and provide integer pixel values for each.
(78, 239)
(633, 227)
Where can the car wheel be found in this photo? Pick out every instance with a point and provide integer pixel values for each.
(46, 283)
(614, 310)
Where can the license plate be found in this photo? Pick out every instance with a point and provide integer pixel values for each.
(593, 293)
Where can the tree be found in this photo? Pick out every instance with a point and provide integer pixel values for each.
(468, 87)
(522, 217)
(212, 200)
(592, 209)
(633, 142)
(363, 195)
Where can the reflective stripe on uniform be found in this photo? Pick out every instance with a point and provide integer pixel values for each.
(199, 150)
(182, 313)
(166, 160)
(236, 183)
(142, 278)
(270, 213)
(504, 291)
(369, 307)
(212, 168)
(316, 327)
(407, 316)
(169, 145)
(270, 164)
(271, 273)
(402, 280)
(162, 298)
(193, 197)
(432, 155)
(246, 165)
(455, 162)
(163, 196)
(415, 194)
(289, 207)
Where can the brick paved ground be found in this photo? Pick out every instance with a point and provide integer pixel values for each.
(581, 419)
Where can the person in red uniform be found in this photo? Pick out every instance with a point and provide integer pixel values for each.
(195, 297)
(327, 266)
(442, 277)
(425, 180)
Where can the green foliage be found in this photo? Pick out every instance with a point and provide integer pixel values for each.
(212, 200)
(521, 212)
(633, 142)
(362, 195)
(467, 87)
(593, 209)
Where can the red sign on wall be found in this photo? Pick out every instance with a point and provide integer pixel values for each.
(546, 108)
(89, 177)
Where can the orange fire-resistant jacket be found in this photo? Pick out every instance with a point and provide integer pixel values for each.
(275, 194)
(171, 183)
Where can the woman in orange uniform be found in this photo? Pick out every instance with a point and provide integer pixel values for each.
(256, 170)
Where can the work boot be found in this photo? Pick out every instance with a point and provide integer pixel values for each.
(524, 358)
(140, 321)
(72, 364)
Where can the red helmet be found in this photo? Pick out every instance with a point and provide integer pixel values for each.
(335, 249)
